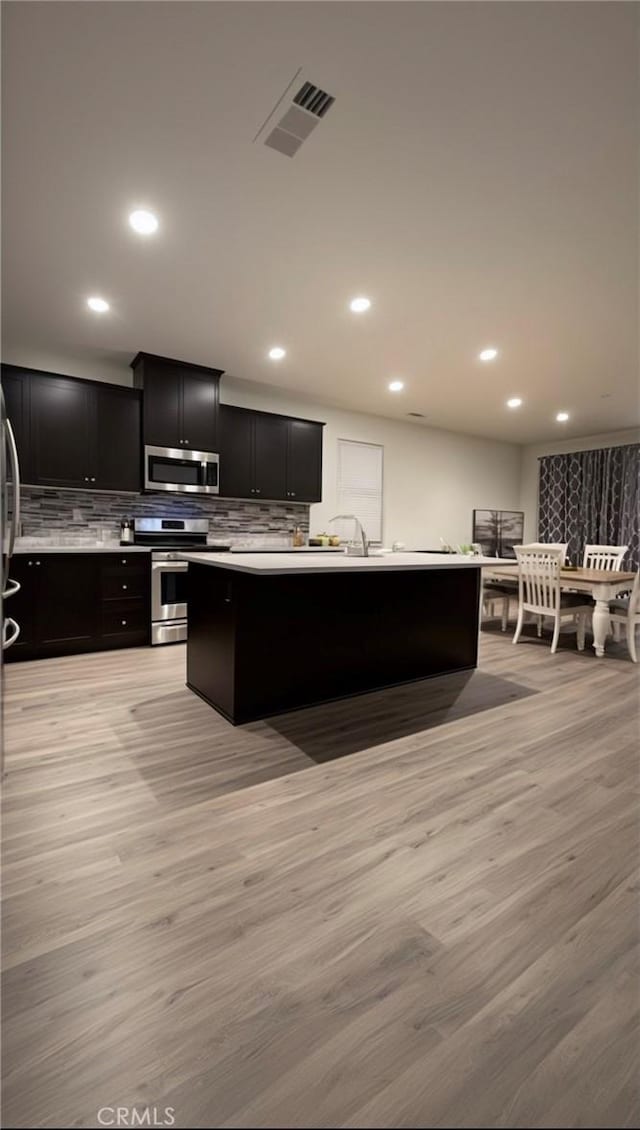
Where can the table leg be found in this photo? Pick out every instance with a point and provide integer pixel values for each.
(601, 625)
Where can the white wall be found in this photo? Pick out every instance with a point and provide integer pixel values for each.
(433, 479)
(530, 468)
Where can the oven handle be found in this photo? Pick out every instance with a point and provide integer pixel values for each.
(169, 566)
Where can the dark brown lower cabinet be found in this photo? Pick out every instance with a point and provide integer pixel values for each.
(76, 602)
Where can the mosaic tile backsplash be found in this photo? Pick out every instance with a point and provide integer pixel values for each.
(78, 516)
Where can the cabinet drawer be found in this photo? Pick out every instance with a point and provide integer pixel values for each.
(122, 583)
(126, 621)
(127, 561)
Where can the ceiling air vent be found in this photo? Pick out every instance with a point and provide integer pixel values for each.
(418, 415)
(314, 100)
(304, 111)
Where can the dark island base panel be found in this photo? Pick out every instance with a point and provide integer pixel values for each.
(264, 645)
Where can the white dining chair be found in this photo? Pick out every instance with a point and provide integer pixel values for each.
(627, 612)
(542, 545)
(539, 592)
(561, 545)
(604, 557)
(609, 557)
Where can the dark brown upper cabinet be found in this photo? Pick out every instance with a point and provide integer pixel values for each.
(16, 389)
(304, 461)
(270, 455)
(63, 425)
(236, 452)
(118, 459)
(267, 456)
(74, 433)
(180, 405)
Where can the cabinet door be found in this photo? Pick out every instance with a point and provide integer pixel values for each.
(199, 412)
(269, 456)
(304, 465)
(118, 463)
(162, 407)
(21, 607)
(62, 431)
(67, 605)
(15, 386)
(236, 452)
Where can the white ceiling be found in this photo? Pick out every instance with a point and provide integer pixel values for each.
(476, 177)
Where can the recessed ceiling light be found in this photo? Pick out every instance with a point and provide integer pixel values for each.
(488, 354)
(562, 417)
(145, 223)
(98, 305)
(277, 353)
(359, 305)
(396, 386)
(515, 402)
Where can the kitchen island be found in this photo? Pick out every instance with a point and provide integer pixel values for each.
(275, 632)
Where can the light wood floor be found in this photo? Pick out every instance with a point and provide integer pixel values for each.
(412, 909)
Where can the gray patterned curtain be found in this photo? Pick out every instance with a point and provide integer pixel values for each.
(591, 497)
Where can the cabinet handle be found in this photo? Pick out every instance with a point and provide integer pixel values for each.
(29, 562)
(257, 490)
(93, 478)
(86, 478)
(124, 561)
(124, 623)
(37, 562)
(124, 586)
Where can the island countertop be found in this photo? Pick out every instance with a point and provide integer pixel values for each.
(279, 564)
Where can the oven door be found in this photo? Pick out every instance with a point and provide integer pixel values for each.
(187, 472)
(169, 581)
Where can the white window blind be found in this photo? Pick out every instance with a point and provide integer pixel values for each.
(360, 487)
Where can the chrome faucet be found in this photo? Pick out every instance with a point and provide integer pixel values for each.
(359, 528)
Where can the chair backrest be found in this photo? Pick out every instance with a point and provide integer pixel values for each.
(544, 545)
(539, 577)
(604, 557)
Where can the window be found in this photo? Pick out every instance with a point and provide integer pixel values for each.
(360, 487)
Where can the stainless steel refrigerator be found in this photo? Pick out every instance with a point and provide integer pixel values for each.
(9, 525)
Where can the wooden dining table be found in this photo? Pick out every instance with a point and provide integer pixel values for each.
(602, 585)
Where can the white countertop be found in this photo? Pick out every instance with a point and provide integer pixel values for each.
(33, 549)
(280, 563)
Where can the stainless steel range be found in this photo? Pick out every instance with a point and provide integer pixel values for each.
(168, 537)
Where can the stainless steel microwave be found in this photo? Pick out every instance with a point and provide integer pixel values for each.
(188, 472)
